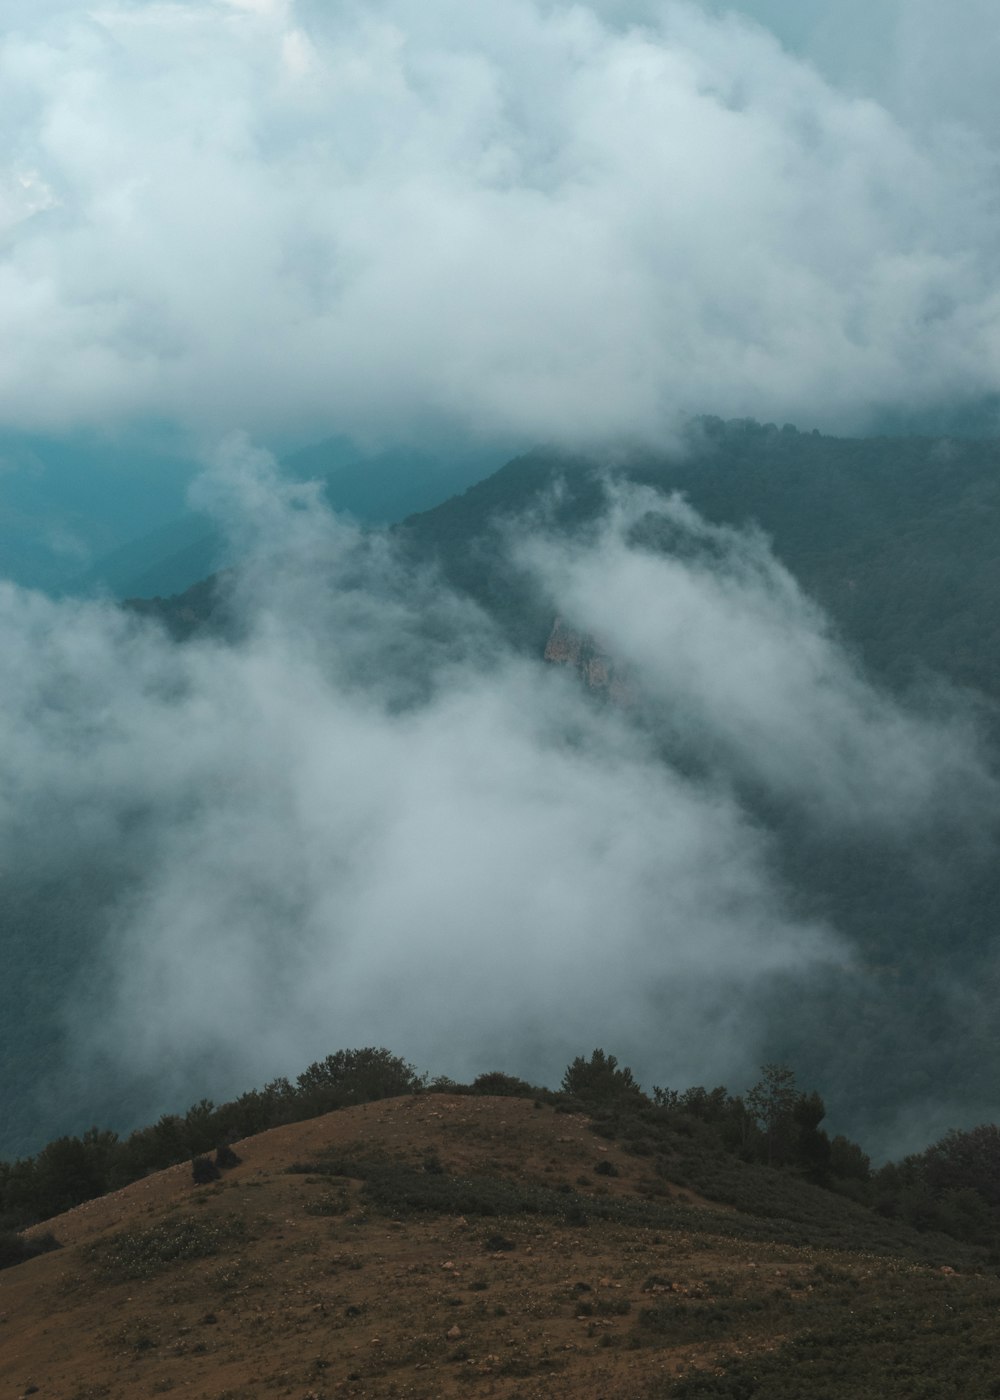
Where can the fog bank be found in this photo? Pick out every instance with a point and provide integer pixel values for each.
(362, 818)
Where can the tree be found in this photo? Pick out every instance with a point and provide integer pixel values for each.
(599, 1078)
(772, 1102)
(201, 1127)
(847, 1160)
(353, 1077)
(967, 1160)
(812, 1147)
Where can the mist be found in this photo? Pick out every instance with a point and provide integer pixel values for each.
(358, 816)
(734, 663)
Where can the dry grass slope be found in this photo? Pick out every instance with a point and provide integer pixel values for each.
(442, 1246)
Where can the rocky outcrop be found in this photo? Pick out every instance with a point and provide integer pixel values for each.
(596, 668)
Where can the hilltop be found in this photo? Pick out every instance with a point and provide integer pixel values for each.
(441, 1244)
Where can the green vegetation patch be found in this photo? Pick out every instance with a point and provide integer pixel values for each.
(134, 1254)
(911, 1333)
(694, 1141)
(397, 1188)
(676, 1322)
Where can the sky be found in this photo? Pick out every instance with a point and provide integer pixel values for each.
(402, 219)
(231, 228)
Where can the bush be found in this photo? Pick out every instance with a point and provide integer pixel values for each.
(16, 1249)
(503, 1085)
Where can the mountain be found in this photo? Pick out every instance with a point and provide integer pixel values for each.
(164, 562)
(446, 1244)
(68, 501)
(373, 487)
(894, 537)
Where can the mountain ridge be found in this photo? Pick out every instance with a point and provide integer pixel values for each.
(893, 536)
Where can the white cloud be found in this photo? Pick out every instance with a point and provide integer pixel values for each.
(297, 53)
(930, 65)
(527, 218)
(276, 8)
(739, 666)
(22, 194)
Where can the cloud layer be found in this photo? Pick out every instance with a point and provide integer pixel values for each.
(552, 220)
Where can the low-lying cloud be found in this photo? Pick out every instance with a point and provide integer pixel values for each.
(740, 667)
(363, 818)
(537, 219)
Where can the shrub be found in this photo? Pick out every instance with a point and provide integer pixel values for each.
(16, 1249)
(503, 1085)
(204, 1171)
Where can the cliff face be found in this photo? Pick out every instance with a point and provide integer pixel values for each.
(596, 667)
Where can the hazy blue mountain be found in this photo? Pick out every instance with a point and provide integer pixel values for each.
(65, 502)
(158, 564)
(375, 488)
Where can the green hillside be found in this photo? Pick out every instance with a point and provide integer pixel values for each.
(897, 538)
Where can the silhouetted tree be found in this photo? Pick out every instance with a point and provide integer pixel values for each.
(599, 1078)
(354, 1076)
(965, 1160)
(771, 1102)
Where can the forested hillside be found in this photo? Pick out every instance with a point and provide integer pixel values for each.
(895, 537)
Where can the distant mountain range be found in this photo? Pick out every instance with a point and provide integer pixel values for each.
(374, 488)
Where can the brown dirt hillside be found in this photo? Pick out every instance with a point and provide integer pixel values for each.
(304, 1283)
